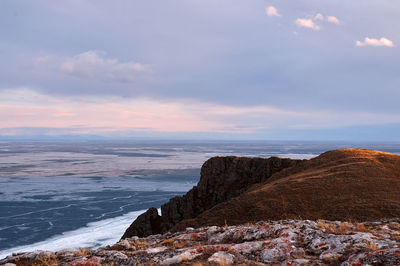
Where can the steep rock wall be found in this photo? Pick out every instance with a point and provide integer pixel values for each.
(222, 178)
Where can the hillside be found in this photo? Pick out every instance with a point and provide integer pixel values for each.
(346, 184)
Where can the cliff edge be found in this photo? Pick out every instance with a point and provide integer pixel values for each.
(221, 179)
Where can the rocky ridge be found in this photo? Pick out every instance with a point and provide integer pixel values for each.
(346, 184)
(286, 242)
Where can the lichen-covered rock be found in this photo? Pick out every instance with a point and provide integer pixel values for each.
(389, 256)
(248, 247)
(185, 256)
(222, 258)
(94, 261)
(286, 242)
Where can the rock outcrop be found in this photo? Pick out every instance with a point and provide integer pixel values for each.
(148, 223)
(347, 184)
(222, 178)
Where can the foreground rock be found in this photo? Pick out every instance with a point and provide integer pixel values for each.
(287, 242)
(222, 178)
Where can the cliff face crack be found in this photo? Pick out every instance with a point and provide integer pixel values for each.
(222, 178)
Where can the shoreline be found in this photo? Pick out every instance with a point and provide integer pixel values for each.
(107, 231)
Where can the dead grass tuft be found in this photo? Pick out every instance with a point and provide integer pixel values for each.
(225, 225)
(168, 241)
(178, 245)
(395, 237)
(372, 246)
(40, 261)
(46, 261)
(394, 226)
(141, 244)
(82, 252)
(20, 261)
(362, 228)
(343, 228)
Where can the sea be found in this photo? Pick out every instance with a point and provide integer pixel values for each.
(71, 194)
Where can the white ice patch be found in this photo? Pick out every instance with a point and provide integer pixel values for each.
(298, 156)
(96, 234)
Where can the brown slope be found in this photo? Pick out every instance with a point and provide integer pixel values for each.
(347, 184)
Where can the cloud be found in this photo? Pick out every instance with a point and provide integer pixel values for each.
(333, 19)
(271, 11)
(91, 65)
(319, 16)
(310, 23)
(307, 23)
(22, 109)
(375, 42)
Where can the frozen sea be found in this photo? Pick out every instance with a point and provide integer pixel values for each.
(56, 195)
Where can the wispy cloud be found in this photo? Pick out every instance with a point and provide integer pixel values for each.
(319, 16)
(333, 19)
(92, 65)
(42, 60)
(375, 42)
(271, 11)
(311, 22)
(307, 23)
(24, 108)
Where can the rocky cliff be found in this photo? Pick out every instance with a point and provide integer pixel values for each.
(222, 178)
(347, 184)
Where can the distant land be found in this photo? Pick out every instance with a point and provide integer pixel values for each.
(365, 133)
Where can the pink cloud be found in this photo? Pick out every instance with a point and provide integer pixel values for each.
(24, 109)
(103, 115)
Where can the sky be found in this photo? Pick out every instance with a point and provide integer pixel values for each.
(225, 69)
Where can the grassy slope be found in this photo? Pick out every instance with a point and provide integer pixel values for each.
(347, 184)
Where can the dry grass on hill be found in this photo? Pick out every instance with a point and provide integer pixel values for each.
(347, 184)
